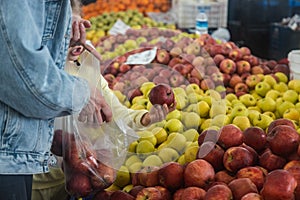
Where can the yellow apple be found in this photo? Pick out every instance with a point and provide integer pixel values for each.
(179, 91)
(135, 167)
(214, 94)
(146, 87)
(147, 135)
(243, 122)
(176, 141)
(174, 125)
(290, 95)
(132, 159)
(120, 95)
(175, 114)
(122, 177)
(274, 94)
(193, 98)
(191, 134)
(270, 80)
(217, 107)
(202, 108)
(132, 146)
(194, 88)
(181, 160)
(191, 120)
(160, 133)
(191, 153)
(271, 114)
(220, 120)
(282, 107)
(206, 124)
(294, 85)
(282, 77)
(231, 96)
(168, 154)
(144, 147)
(127, 188)
(112, 188)
(267, 104)
(292, 114)
(152, 160)
(181, 101)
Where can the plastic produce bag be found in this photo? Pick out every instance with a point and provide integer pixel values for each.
(91, 154)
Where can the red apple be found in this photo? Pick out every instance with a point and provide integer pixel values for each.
(160, 80)
(291, 164)
(282, 68)
(149, 193)
(217, 78)
(177, 195)
(207, 83)
(165, 193)
(212, 153)
(236, 158)
(255, 137)
(283, 140)
(270, 161)
(174, 61)
(78, 185)
(224, 176)
(149, 73)
(103, 194)
(235, 79)
(254, 173)
(56, 146)
(218, 192)
(170, 175)
(252, 151)
(252, 80)
(295, 171)
(120, 194)
(208, 135)
(211, 69)
(176, 79)
(235, 54)
(162, 56)
(166, 72)
(241, 187)
(148, 176)
(252, 196)
(192, 193)
(162, 94)
(135, 190)
(229, 136)
(243, 66)
(198, 173)
(245, 51)
(198, 61)
(279, 184)
(241, 87)
(280, 121)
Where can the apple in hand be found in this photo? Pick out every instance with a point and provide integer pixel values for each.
(78, 185)
(279, 184)
(242, 186)
(56, 146)
(198, 173)
(283, 140)
(162, 94)
(237, 157)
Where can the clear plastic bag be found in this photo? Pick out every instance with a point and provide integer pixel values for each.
(91, 154)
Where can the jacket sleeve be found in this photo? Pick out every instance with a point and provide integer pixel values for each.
(30, 79)
(130, 116)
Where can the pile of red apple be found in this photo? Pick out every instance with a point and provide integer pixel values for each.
(231, 164)
(84, 173)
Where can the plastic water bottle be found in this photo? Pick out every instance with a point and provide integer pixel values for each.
(201, 23)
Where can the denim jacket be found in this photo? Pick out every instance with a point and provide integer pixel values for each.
(34, 88)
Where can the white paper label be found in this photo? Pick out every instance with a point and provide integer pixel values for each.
(119, 28)
(142, 58)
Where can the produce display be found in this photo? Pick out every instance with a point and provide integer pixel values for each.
(234, 133)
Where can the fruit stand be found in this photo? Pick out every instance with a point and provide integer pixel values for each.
(234, 132)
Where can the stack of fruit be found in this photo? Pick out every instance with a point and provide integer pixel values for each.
(230, 164)
(143, 6)
(101, 24)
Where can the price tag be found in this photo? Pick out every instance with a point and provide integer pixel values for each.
(142, 58)
(119, 28)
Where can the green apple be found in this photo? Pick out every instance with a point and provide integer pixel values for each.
(248, 100)
(174, 125)
(213, 93)
(175, 114)
(292, 114)
(267, 104)
(220, 120)
(274, 94)
(152, 160)
(253, 114)
(262, 88)
(132, 146)
(207, 99)
(254, 108)
(168, 154)
(206, 124)
(243, 122)
(190, 153)
(217, 107)
(147, 135)
(190, 108)
(181, 160)
(132, 159)
(263, 121)
(282, 107)
(193, 88)
(191, 134)
(281, 87)
(160, 134)
(135, 167)
(282, 77)
(179, 91)
(141, 39)
(270, 80)
(191, 120)
(220, 89)
(176, 141)
(239, 110)
(127, 188)
(255, 94)
(145, 147)
(122, 177)
(271, 114)
(194, 97)
(130, 44)
(202, 108)
(231, 96)
(181, 101)
(290, 95)
(146, 87)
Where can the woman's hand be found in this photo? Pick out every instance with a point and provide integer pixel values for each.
(157, 113)
(97, 111)
(78, 32)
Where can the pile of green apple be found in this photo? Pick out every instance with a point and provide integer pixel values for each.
(133, 18)
(229, 164)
